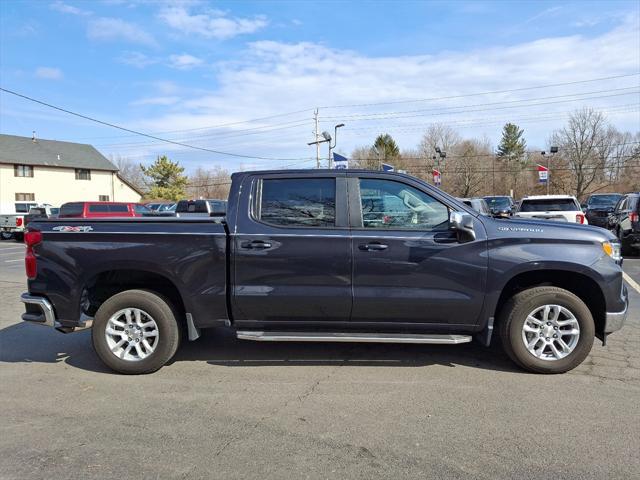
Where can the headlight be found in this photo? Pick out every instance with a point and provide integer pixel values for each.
(613, 250)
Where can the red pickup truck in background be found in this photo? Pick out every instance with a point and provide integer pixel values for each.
(102, 210)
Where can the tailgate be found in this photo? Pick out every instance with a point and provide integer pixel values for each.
(8, 221)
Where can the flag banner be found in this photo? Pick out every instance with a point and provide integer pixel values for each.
(340, 162)
(437, 178)
(543, 174)
(387, 168)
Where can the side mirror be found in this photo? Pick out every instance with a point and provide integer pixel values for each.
(462, 223)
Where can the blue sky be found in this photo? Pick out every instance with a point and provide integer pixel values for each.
(185, 68)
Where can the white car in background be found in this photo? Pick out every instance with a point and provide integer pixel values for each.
(561, 208)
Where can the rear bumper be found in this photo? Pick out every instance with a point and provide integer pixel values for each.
(41, 311)
(615, 320)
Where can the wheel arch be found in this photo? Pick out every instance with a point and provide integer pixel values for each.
(106, 283)
(580, 284)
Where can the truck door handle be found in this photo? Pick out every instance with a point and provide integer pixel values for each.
(257, 244)
(374, 246)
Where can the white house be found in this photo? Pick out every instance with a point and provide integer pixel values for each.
(35, 171)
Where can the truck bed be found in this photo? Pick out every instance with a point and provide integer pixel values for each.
(187, 254)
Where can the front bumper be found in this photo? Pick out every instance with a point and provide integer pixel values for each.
(615, 320)
(41, 311)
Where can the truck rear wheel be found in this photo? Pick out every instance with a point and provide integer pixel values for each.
(546, 330)
(135, 332)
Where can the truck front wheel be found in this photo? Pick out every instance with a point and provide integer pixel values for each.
(546, 330)
(135, 332)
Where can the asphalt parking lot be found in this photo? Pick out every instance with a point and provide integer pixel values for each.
(230, 409)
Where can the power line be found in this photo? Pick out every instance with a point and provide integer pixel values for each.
(239, 155)
(449, 97)
(286, 126)
(470, 122)
(214, 127)
(394, 115)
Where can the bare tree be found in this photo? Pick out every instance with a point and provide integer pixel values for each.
(363, 157)
(467, 169)
(584, 145)
(130, 171)
(447, 139)
(213, 183)
(438, 135)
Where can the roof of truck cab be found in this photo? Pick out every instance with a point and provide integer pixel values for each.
(320, 171)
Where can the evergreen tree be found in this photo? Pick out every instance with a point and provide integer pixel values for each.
(167, 179)
(385, 149)
(512, 145)
(512, 150)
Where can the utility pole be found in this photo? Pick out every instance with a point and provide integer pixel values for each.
(317, 135)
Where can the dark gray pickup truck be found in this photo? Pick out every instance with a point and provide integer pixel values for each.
(328, 256)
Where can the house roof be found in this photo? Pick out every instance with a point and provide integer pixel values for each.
(130, 185)
(51, 153)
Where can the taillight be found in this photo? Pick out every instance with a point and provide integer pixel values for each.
(634, 217)
(18, 221)
(579, 218)
(31, 239)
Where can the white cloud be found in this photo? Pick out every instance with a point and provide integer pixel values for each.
(70, 9)
(116, 29)
(49, 73)
(210, 24)
(274, 77)
(137, 59)
(168, 100)
(184, 61)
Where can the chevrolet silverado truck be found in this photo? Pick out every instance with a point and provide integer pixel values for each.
(328, 256)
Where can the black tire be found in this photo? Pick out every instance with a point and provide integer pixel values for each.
(514, 314)
(6, 235)
(159, 308)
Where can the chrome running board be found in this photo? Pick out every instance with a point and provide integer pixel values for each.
(259, 336)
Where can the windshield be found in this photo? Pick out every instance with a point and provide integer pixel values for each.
(498, 202)
(549, 205)
(603, 200)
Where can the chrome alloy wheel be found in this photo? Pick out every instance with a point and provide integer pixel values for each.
(551, 332)
(132, 334)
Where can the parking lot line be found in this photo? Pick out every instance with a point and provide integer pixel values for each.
(17, 260)
(631, 282)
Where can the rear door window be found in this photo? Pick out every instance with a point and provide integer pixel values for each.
(549, 205)
(118, 208)
(299, 202)
(98, 208)
(71, 210)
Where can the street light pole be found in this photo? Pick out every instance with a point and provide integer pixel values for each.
(335, 141)
(552, 150)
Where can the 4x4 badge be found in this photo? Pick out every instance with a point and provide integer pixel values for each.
(74, 229)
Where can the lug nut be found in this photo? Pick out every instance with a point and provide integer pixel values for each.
(548, 323)
(555, 328)
(555, 336)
